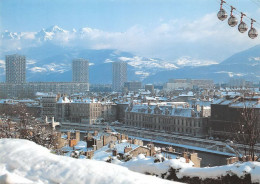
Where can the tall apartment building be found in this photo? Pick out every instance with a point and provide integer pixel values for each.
(80, 71)
(119, 75)
(15, 67)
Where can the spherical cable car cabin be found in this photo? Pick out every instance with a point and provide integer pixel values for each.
(232, 21)
(222, 14)
(252, 33)
(242, 27)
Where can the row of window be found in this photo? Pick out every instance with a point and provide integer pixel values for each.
(166, 128)
(164, 120)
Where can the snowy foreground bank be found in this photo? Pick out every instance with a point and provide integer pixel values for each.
(22, 161)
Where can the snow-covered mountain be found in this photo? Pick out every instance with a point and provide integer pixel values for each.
(245, 64)
(50, 52)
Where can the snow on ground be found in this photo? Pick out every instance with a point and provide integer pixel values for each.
(144, 164)
(240, 169)
(22, 161)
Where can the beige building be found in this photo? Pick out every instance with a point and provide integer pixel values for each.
(84, 111)
(174, 84)
(169, 118)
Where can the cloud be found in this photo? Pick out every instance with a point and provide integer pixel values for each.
(52, 67)
(188, 61)
(254, 58)
(61, 68)
(28, 35)
(141, 62)
(2, 64)
(30, 61)
(108, 61)
(232, 74)
(142, 74)
(205, 38)
(38, 69)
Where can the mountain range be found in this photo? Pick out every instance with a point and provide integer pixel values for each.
(50, 52)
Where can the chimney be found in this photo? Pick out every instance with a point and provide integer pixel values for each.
(114, 152)
(186, 156)
(127, 149)
(68, 135)
(170, 149)
(95, 133)
(77, 136)
(46, 119)
(94, 147)
(195, 159)
(111, 145)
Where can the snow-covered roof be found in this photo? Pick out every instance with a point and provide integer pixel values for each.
(241, 103)
(63, 100)
(164, 110)
(28, 102)
(85, 100)
(190, 93)
(105, 152)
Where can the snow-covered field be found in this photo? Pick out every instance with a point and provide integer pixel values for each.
(22, 161)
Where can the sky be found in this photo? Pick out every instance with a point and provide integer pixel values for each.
(169, 29)
(109, 15)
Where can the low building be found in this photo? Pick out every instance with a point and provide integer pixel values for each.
(29, 89)
(149, 87)
(175, 84)
(132, 86)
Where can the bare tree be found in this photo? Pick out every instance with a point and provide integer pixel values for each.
(28, 127)
(248, 129)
